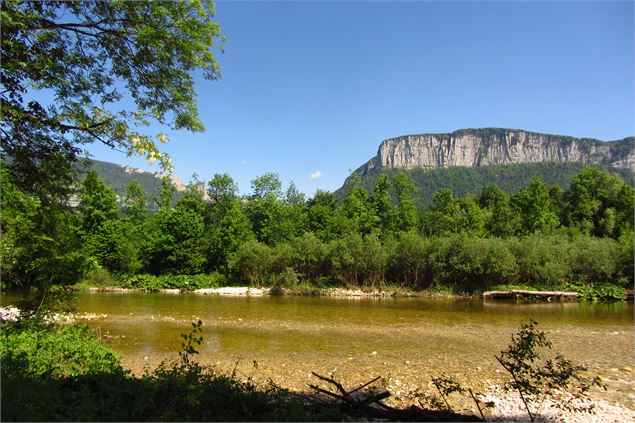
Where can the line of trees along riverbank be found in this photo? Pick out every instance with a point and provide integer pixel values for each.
(541, 236)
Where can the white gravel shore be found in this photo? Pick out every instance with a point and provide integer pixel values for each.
(511, 409)
(251, 291)
(233, 291)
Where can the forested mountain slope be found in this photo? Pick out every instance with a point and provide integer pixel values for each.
(510, 178)
(469, 159)
(119, 177)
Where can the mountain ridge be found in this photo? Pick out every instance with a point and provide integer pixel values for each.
(476, 147)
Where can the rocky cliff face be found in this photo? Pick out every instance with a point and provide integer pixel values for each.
(482, 147)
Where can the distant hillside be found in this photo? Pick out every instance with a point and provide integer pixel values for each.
(119, 177)
(469, 159)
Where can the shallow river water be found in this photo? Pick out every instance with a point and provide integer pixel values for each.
(405, 340)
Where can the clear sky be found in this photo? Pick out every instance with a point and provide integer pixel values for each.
(310, 89)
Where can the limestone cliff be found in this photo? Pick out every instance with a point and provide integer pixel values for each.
(493, 146)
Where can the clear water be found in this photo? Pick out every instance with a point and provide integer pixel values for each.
(404, 339)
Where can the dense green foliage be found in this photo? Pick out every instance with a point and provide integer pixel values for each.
(81, 72)
(54, 351)
(183, 282)
(541, 237)
(40, 243)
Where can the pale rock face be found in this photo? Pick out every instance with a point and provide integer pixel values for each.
(474, 148)
(176, 181)
(627, 162)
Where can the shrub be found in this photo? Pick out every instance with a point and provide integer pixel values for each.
(310, 256)
(253, 261)
(470, 264)
(536, 379)
(542, 260)
(153, 283)
(282, 258)
(59, 351)
(594, 260)
(99, 277)
(409, 261)
(602, 292)
(359, 261)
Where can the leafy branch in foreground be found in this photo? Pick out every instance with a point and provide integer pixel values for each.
(537, 380)
(80, 72)
(190, 342)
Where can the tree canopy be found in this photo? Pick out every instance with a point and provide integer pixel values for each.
(78, 72)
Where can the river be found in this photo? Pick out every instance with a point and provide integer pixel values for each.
(406, 340)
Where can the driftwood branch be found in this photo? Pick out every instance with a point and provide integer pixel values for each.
(370, 402)
(332, 382)
(365, 385)
(327, 392)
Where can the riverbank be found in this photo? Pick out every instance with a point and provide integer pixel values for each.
(384, 292)
(396, 292)
(303, 291)
(406, 380)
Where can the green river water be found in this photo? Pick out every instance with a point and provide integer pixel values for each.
(406, 340)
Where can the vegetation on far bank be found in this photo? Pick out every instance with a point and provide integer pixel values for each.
(541, 237)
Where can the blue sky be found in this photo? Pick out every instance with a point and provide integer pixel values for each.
(314, 87)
